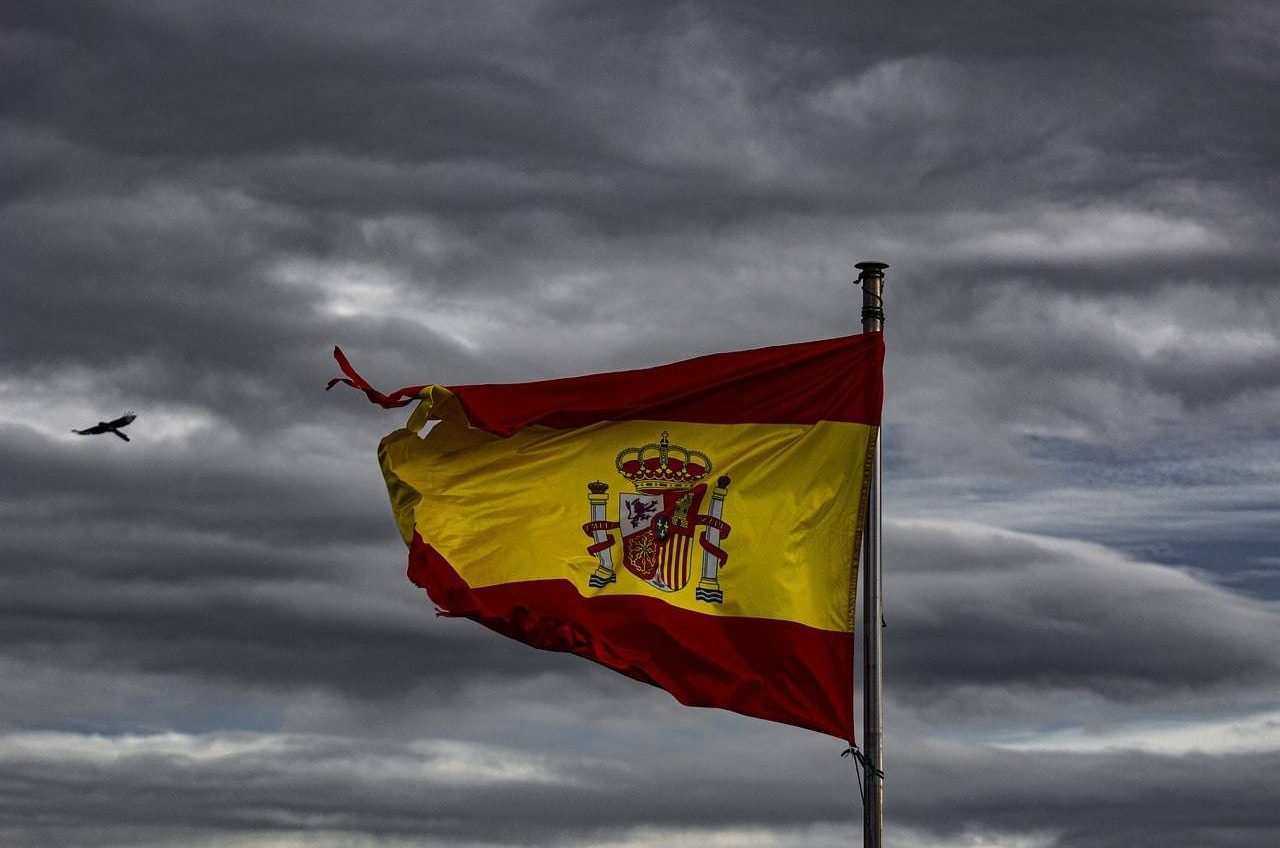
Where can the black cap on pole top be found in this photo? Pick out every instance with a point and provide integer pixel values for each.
(871, 267)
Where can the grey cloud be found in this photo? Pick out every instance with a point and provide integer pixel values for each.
(153, 63)
(243, 782)
(1113, 799)
(237, 574)
(204, 565)
(203, 485)
(154, 789)
(199, 200)
(974, 606)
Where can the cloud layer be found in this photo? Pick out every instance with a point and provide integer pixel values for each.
(206, 635)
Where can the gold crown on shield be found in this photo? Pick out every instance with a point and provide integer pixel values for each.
(662, 465)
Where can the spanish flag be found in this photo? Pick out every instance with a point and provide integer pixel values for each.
(695, 526)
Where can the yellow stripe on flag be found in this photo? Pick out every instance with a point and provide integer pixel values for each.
(507, 510)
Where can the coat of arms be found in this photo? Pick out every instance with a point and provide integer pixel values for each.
(657, 522)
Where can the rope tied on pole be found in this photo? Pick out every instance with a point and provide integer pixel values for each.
(871, 278)
(875, 312)
(868, 768)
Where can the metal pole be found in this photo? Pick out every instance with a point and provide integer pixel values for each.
(871, 278)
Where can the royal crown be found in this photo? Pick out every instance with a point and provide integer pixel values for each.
(662, 465)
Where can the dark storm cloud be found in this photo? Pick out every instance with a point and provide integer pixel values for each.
(681, 116)
(978, 607)
(213, 568)
(185, 575)
(250, 641)
(1094, 800)
(212, 490)
(197, 200)
(249, 609)
(348, 84)
(159, 789)
(635, 109)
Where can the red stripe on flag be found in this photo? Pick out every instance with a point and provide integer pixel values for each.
(673, 567)
(775, 670)
(684, 560)
(829, 380)
(673, 553)
(400, 397)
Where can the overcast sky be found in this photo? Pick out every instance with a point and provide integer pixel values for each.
(206, 635)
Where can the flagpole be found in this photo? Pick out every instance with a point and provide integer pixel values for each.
(871, 278)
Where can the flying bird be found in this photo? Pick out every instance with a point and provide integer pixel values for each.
(109, 426)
